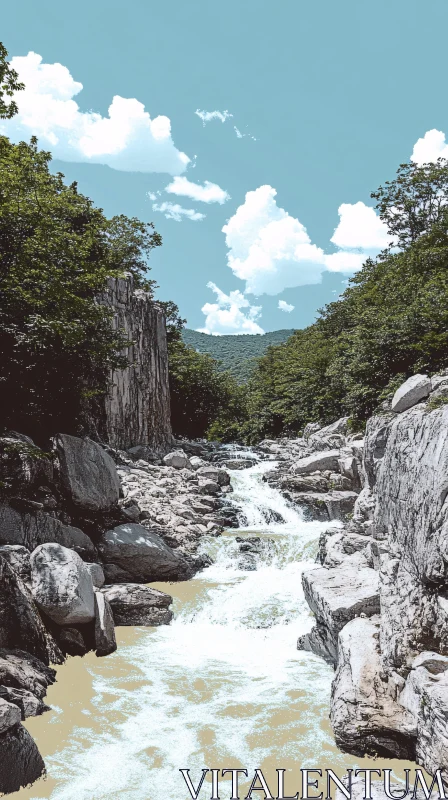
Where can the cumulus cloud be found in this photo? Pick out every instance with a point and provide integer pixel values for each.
(284, 306)
(271, 250)
(206, 193)
(430, 147)
(208, 116)
(177, 212)
(231, 313)
(127, 139)
(360, 227)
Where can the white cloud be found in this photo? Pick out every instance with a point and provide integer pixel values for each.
(271, 250)
(127, 139)
(430, 147)
(177, 212)
(208, 116)
(284, 306)
(207, 193)
(226, 314)
(359, 227)
(240, 135)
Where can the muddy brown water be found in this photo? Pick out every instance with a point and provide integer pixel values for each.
(222, 687)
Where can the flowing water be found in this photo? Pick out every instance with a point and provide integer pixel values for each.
(222, 687)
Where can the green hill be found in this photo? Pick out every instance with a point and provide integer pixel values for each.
(237, 353)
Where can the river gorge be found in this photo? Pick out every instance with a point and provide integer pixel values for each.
(222, 686)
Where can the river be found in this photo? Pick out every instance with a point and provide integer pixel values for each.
(223, 686)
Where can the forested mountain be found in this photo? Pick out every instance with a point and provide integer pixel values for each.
(235, 353)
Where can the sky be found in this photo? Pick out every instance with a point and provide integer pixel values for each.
(250, 133)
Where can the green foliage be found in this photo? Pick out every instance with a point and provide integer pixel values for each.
(238, 353)
(9, 84)
(390, 323)
(204, 400)
(56, 253)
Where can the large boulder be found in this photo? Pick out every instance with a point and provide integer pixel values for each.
(18, 558)
(62, 585)
(105, 642)
(32, 529)
(323, 460)
(20, 761)
(23, 466)
(21, 670)
(219, 476)
(9, 715)
(20, 623)
(364, 716)
(411, 392)
(133, 604)
(177, 459)
(88, 474)
(337, 596)
(140, 555)
(27, 703)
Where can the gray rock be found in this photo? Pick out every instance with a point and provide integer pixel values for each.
(133, 604)
(213, 474)
(239, 463)
(364, 717)
(23, 466)
(328, 459)
(88, 474)
(20, 623)
(20, 761)
(31, 530)
(9, 715)
(61, 585)
(196, 462)
(337, 596)
(73, 642)
(97, 575)
(141, 555)
(26, 702)
(432, 741)
(310, 428)
(177, 459)
(209, 487)
(105, 642)
(411, 392)
(21, 670)
(18, 558)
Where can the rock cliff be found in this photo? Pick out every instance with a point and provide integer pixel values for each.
(138, 402)
(390, 693)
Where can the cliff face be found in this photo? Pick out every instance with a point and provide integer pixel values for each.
(390, 693)
(138, 402)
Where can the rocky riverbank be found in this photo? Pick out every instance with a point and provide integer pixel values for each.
(380, 593)
(82, 529)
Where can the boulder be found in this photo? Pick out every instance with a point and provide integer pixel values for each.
(9, 715)
(20, 761)
(338, 595)
(432, 739)
(364, 716)
(310, 428)
(20, 623)
(209, 487)
(88, 474)
(72, 642)
(97, 574)
(219, 476)
(30, 530)
(18, 558)
(21, 670)
(239, 463)
(323, 460)
(141, 555)
(61, 585)
(411, 392)
(105, 642)
(133, 604)
(177, 459)
(24, 700)
(23, 466)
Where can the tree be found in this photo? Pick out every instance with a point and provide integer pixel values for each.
(57, 251)
(415, 201)
(9, 84)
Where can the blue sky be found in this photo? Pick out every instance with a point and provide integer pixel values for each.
(328, 98)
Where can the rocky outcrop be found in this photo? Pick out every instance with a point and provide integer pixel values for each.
(137, 407)
(30, 529)
(390, 693)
